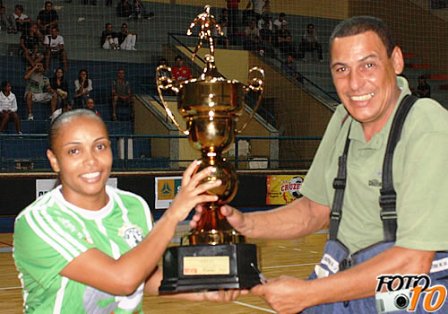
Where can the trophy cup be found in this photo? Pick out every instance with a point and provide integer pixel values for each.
(216, 256)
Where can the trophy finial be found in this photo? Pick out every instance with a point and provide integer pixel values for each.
(207, 23)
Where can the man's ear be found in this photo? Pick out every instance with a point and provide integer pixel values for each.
(397, 60)
(53, 161)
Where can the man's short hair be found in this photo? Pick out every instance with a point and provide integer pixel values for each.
(360, 24)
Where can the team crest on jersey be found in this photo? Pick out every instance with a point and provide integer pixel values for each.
(132, 234)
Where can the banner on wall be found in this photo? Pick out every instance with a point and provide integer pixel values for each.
(166, 189)
(283, 189)
(45, 185)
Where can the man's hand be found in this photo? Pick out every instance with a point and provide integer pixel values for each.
(286, 295)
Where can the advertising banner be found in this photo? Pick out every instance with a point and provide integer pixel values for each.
(166, 188)
(283, 189)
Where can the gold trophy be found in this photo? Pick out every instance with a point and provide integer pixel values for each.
(216, 256)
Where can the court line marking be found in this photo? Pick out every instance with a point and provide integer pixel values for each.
(254, 307)
(10, 288)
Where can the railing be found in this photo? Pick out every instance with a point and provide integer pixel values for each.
(27, 153)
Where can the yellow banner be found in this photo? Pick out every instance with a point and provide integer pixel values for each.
(283, 189)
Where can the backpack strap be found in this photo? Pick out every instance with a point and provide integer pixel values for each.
(388, 196)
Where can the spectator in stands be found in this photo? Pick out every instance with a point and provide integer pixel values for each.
(97, 242)
(252, 39)
(3, 18)
(124, 8)
(18, 21)
(8, 107)
(83, 87)
(29, 45)
(126, 39)
(54, 44)
(139, 11)
(310, 43)
(122, 94)
(284, 41)
(223, 21)
(234, 17)
(289, 67)
(257, 8)
(180, 71)
(92, 2)
(109, 38)
(90, 104)
(38, 89)
(67, 106)
(47, 18)
(423, 89)
(108, 3)
(60, 86)
(280, 20)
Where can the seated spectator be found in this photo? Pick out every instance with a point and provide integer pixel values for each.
(223, 21)
(29, 45)
(139, 11)
(256, 7)
(83, 87)
(18, 21)
(121, 94)
(54, 44)
(252, 40)
(47, 18)
(8, 108)
(126, 39)
(266, 28)
(180, 71)
(38, 89)
(423, 88)
(90, 104)
(310, 43)
(124, 8)
(3, 18)
(284, 41)
(60, 86)
(109, 38)
(66, 107)
(280, 20)
(289, 67)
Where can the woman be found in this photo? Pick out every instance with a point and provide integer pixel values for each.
(126, 39)
(83, 87)
(60, 86)
(8, 107)
(91, 248)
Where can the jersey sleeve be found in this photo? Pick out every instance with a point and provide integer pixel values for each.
(45, 244)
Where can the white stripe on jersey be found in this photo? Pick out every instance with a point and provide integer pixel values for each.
(145, 206)
(67, 236)
(114, 247)
(37, 230)
(53, 232)
(60, 296)
(69, 212)
(124, 210)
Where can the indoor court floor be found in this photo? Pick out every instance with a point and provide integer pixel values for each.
(277, 257)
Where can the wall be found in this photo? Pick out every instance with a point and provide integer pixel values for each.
(416, 30)
(318, 8)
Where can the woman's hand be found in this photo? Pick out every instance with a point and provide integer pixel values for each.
(192, 191)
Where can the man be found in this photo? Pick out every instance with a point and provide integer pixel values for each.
(38, 89)
(365, 63)
(180, 71)
(47, 18)
(121, 93)
(29, 45)
(54, 44)
(310, 43)
(18, 21)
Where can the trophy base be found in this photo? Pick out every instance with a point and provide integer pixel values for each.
(209, 267)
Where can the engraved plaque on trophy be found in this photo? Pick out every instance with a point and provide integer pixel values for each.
(216, 256)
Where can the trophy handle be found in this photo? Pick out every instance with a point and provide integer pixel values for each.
(165, 82)
(256, 84)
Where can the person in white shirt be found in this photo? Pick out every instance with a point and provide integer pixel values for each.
(8, 107)
(54, 44)
(18, 21)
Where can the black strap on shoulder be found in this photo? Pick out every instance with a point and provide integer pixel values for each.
(388, 196)
(339, 187)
